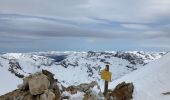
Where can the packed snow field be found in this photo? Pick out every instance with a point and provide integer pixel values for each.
(73, 68)
(151, 81)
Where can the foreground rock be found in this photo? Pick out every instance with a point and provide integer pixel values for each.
(43, 86)
(38, 86)
(122, 91)
(91, 91)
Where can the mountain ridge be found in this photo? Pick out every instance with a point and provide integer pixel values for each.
(79, 67)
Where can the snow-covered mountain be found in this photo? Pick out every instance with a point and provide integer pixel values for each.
(152, 82)
(73, 68)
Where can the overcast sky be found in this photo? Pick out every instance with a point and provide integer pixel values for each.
(82, 25)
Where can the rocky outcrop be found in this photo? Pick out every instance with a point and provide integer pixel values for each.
(87, 89)
(38, 86)
(84, 87)
(13, 66)
(43, 86)
(123, 91)
(38, 83)
(48, 95)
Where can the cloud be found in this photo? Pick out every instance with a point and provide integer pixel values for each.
(95, 20)
(135, 26)
(115, 10)
(35, 27)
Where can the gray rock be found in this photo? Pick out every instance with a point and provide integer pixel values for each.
(48, 95)
(86, 87)
(38, 83)
(123, 91)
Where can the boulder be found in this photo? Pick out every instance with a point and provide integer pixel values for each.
(86, 87)
(36, 87)
(43, 86)
(38, 83)
(48, 95)
(49, 75)
(123, 91)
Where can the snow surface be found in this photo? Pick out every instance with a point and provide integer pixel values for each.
(78, 67)
(154, 74)
(95, 91)
(150, 81)
(77, 96)
(8, 82)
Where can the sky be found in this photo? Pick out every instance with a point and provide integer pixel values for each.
(83, 25)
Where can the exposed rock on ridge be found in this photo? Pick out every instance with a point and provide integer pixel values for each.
(43, 86)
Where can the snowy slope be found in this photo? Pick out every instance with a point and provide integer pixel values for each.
(150, 81)
(73, 68)
(8, 81)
